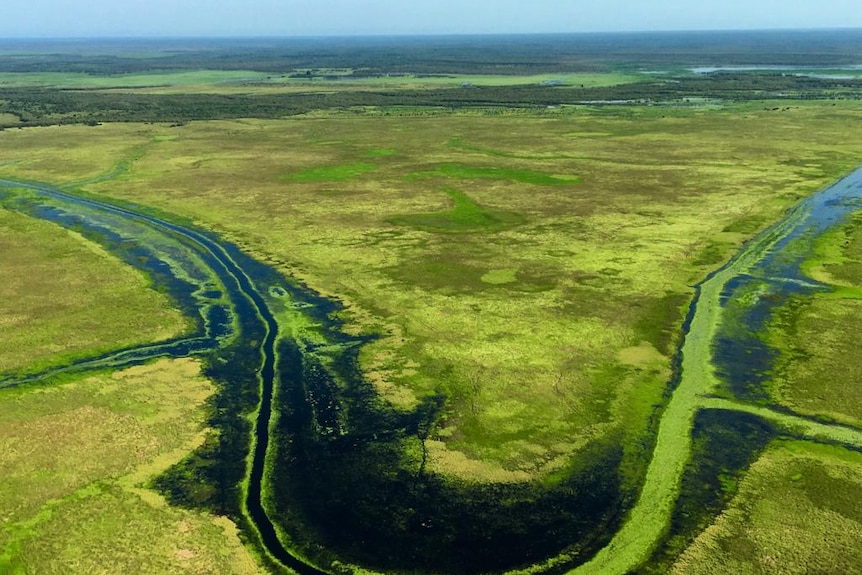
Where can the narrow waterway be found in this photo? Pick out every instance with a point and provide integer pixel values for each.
(242, 312)
(232, 295)
(767, 258)
(227, 291)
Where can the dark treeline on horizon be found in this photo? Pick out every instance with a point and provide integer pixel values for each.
(491, 54)
(38, 106)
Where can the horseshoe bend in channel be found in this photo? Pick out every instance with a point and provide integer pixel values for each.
(242, 318)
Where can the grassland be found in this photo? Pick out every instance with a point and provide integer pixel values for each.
(465, 217)
(346, 81)
(248, 81)
(331, 173)
(72, 80)
(76, 460)
(796, 511)
(531, 267)
(77, 454)
(56, 293)
(814, 335)
(600, 263)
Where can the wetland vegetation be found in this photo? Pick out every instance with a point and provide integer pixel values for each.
(439, 329)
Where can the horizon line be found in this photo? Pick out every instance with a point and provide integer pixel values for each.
(370, 35)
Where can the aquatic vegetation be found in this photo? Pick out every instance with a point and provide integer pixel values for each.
(461, 395)
(465, 217)
(332, 173)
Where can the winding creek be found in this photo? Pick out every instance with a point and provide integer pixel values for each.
(697, 374)
(243, 302)
(231, 298)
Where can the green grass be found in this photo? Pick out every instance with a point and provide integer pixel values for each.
(381, 152)
(546, 311)
(64, 297)
(542, 293)
(465, 217)
(143, 80)
(816, 334)
(500, 277)
(837, 256)
(797, 511)
(814, 338)
(601, 267)
(409, 81)
(84, 158)
(76, 457)
(233, 80)
(648, 519)
(332, 173)
(462, 145)
(468, 172)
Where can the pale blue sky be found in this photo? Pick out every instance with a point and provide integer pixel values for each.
(84, 18)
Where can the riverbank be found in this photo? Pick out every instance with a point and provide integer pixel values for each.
(496, 360)
(698, 380)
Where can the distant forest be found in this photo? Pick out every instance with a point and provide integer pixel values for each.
(525, 54)
(41, 106)
(674, 54)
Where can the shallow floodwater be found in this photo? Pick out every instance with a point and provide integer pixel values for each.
(340, 480)
(742, 359)
(800, 69)
(337, 467)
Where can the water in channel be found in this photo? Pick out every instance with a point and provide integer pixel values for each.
(332, 457)
(212, 282)
(329, 456)
(743, 360)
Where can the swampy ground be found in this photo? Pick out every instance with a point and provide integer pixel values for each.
(531, 265)
(48, 268)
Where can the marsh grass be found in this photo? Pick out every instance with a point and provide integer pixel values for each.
(814, 338)
(76, 456)
(816, 334)
(342, 173)
(465, 216)
(600, 265)
(78, 158)
(797, 511)
(330, 80)
(181, 80)
(468, 172)
(64, 297)
(381, 152)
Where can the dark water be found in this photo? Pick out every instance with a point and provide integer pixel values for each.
(343, 484)
(742, 358)
(348, 482)
(186, 263)
(724, 445)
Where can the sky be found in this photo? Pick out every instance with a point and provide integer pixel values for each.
(160, 18)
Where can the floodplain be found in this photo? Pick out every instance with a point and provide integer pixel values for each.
(512, 287)
(51, 315)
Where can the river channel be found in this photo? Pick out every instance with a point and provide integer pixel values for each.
(336, 452)
(210, 278)
(767, 265)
